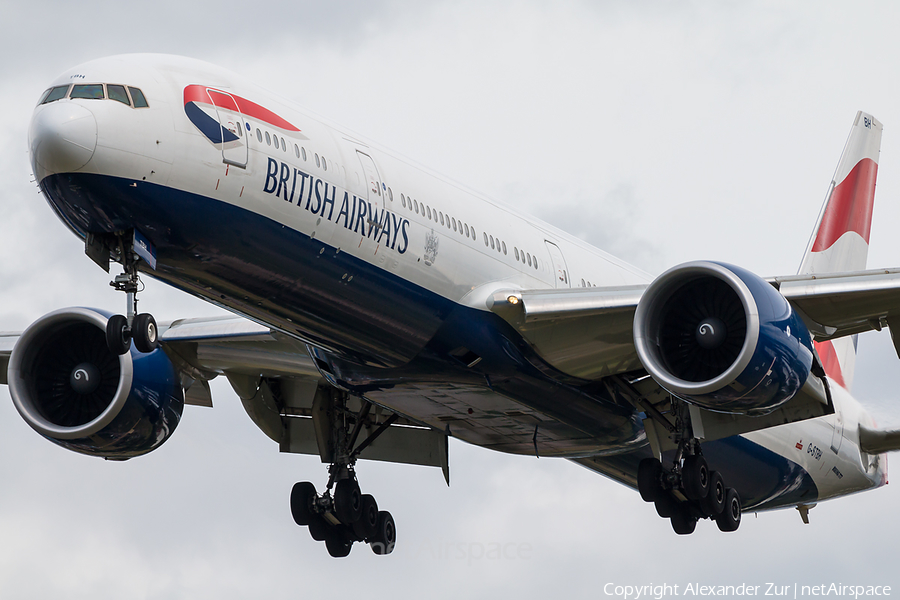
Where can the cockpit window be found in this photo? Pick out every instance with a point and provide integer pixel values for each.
(92, 91)
(55, 94)
(117, 92)
(138, 97)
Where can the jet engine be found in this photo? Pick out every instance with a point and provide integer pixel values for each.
(71, 389)
(722, 338)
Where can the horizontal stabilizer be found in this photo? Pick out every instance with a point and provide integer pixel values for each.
(875, 441)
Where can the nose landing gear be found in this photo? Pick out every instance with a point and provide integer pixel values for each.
(139, 328)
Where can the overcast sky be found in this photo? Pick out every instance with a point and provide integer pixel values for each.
(660, 131)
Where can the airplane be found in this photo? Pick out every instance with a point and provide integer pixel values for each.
(380, 309)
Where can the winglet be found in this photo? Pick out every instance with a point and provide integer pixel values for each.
(840, 241)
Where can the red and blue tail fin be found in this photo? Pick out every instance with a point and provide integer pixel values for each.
(840, 241)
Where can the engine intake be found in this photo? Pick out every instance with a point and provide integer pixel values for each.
(71, 389)
(722, 338)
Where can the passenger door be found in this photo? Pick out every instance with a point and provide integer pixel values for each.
(231, 123)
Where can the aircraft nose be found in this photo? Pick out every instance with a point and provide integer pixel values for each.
(62, 138)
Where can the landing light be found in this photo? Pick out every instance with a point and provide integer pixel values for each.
(512, 300)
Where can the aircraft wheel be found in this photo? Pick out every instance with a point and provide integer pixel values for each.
(695, 477)
(337, 543)
(714, 502)
(347, 501)
(366, 526)
(648, 479)
(118, 338)
(301, 497)
(386, 535)
(683, 522)
(144, 332)
(666, 506)
(318, 528)
(730, 518)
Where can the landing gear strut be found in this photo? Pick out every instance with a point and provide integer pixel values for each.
(342, 515)
(139, 328)
(687, 490)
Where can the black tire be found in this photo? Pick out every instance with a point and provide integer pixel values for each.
(730, 518)
(145, 333)
(695, 477)
(337, 543)
(648, 479)
(683, 522)
(118, 338)
(714, 501)
(666, 505)
(347, 501)
(367, 525)
(385, 537)
(301, 501)
(318, 528)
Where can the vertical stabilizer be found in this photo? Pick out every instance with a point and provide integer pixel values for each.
(840, 241)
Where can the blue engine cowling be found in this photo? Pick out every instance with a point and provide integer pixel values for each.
(722, 338)
(71, 389)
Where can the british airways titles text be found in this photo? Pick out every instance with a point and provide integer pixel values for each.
(324, 199)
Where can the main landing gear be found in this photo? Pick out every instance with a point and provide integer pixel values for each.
(342, 515)
(688, 490)
(139, 328)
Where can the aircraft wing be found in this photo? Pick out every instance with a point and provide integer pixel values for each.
(841, 304)
(587, 332)
(279, 386)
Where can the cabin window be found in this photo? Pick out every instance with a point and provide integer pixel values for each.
(474, 237)
(416, 206)
(283, 145)
(528, 254)
(117, 92)
(485, 239)
(403, 200)
(428, 210)
(318, 162)
(91, 91)
(492, 242)
(466, 225)
(454, 223)
(303, 153)
(268, 139)
(442, 217)
(504, 248)
(390, 195)
(297, 150)
(516, 251)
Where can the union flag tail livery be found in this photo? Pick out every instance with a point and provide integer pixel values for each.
(840, 241)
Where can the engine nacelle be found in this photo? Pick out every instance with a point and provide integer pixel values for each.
(722, 338)
(72, 390)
